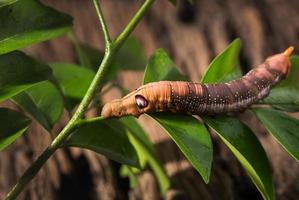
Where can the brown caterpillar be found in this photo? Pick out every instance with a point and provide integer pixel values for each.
(200, 99)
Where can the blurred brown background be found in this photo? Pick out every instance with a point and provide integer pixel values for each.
(192, 35)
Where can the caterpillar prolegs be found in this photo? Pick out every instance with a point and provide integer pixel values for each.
(203, 99)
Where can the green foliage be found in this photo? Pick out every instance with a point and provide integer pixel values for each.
(246, 147)
(19, 72)
(160, 67)
(28, 22)
(43, 102)
(283, 127)
(225, 66)
(73, 79)
(146, 154)
(6, 2)
(138, 138)
(12, 126)
(130, 56)
(107, 137)
(126, 171)
(24, 101)
(88, 56)
(192, 138)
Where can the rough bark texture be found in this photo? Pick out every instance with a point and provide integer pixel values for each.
(192, 36)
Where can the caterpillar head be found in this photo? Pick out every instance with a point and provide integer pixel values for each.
(135, 103)
(280, 62)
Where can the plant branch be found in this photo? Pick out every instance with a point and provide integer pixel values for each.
(85, 121)
(103, 23)
(94, 86)
(132, 24)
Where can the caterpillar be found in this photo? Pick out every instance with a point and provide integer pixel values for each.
(203, 99)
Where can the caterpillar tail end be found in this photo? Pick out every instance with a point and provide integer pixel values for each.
(288, 52)
(281, 62)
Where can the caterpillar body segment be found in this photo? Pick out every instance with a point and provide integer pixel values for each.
(203, 99)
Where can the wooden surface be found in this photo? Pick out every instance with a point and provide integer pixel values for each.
(192, 36)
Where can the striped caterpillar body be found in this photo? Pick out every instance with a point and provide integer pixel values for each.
(203, 99)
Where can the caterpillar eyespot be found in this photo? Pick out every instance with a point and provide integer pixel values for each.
(141, 102)
(203, 99)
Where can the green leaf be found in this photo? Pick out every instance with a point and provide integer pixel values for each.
(91, 58)
(285, 95)
(192, 138)
(286, 107)
(160, 67)
(284, 98)
(26, 103)
(107, 137)
(43, 102)
(246, 147)
(225, 66)
(138, 138)
(73, 79)
(48, 99)
(28, 22)
(173, 2)
(7, 2)
(146, 152)
(88, 56)
(18, 72)
(12, 126)
(126, 171)
(130, 56)
(132, 124)
(283, 127)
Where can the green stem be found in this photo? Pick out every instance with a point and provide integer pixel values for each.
(132, 24)
(110, 51)
(102, 22)
(86, 121)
